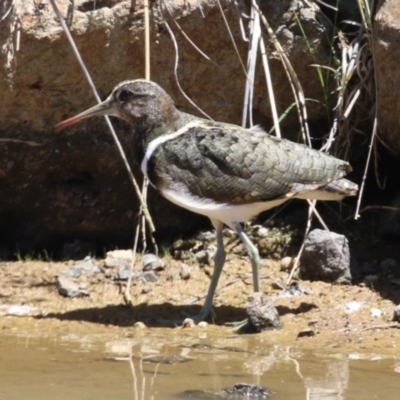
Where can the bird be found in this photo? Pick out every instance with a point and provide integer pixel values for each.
(223, 171)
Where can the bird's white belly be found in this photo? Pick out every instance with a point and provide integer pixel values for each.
(224, 212)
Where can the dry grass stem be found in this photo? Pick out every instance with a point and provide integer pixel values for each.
(231, 36)
(292, 77)
(117, 142)
(270, 88)
(146, 39)
(188, 38)
(175, 43)
(254, 38)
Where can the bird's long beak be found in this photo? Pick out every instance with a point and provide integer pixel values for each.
(103, 108)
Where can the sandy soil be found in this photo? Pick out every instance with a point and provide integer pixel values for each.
(322, 310)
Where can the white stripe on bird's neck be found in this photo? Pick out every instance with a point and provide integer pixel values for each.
(155, 143)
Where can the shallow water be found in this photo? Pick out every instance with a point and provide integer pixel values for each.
(168, 364)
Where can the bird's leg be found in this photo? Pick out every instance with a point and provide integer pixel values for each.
(252, 253)
(254, 257)
(219, 260)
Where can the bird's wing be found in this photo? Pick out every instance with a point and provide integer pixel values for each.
(230, 164)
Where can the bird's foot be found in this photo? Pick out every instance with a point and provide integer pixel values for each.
(202, 315)
(239, 326)
(190, 319)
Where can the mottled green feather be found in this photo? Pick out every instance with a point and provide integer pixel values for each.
(230, 164)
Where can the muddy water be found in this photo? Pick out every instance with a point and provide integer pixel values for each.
(171, 364)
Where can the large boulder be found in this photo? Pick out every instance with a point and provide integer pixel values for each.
(58, 187)
(386, 48)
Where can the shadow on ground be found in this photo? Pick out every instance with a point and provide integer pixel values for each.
(153, 315)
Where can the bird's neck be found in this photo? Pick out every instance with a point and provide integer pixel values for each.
(146, 132)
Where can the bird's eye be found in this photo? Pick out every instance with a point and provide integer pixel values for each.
(125, 95)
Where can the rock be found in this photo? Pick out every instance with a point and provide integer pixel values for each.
(326, 257)
(228, 233)
(70, 287)
(306, 333)
(376, 312)
(262, 313)
(353, 306)
(181, 255)
(19, 310)
(185, 272)
(146, 289)
(206, 236)
(188, 323)
(150, 262)
(260, 231)
(286, 264)
(74, 184)
(87, 267)
(118, 259)
(123, 275)
(385, 41)
(275, 244)
(389, 263)
(240, 391)
(396, 313)
(150, 276)
(247, 391)
(202, 257)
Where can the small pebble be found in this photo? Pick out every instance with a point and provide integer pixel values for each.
(306, 333)
(150, 276)
(87, 267)
(124, 274)
(376, 312)
(286, 264)
(150, 262)
(118, 259)
(206, 236)
(202, 324)
(139, 325)
(181, 255)
(228, 233)
(396, 313)
(69, 287)
(19, 310)
(146, 289)
(260, 231)
(185, 272)
(352, 306)
(202, 257)
(188, 323)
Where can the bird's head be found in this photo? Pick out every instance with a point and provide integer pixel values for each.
(141, 103)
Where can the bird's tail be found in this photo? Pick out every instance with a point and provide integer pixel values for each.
(342, 187)
(336, 190)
